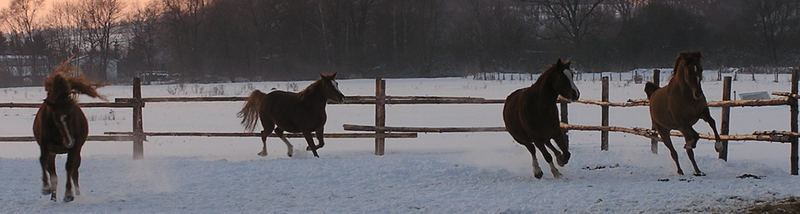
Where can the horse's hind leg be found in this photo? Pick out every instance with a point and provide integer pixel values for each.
(51, 169)
(537, 171)
(668, 142)
(310, 141)
(289, 147)
(268, 127)
(46, 190)
(540, 144)
(706, 116)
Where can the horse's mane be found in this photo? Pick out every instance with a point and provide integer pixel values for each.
(545, 74)
(65, 79)
(310, 89)
(681, 63)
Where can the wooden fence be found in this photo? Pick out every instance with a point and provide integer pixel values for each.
(380, 132)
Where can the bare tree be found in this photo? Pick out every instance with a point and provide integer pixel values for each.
(100, 18)
(776, 20)
(21, 20)
(575, 19)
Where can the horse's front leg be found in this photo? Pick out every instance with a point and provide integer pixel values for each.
(320, 137)
(51, 169)
(706, 116)
(563, 144)
(310, 140)
(71, 168)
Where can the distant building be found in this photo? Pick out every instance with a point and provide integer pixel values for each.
(17, 70)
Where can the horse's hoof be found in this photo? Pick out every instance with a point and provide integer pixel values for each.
(46, 192)
(562, 161)
(538, 175)
(718, 147)
(290, 155)
(680, 172)
(53, 197)
(308, 148)
(68, 198)
(262, 154)
(699, 174)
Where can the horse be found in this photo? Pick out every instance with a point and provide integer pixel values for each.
(302, 112)
(60, 127)
(679, 105)
(531, 117)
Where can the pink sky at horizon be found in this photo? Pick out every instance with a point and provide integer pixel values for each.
(127, 5)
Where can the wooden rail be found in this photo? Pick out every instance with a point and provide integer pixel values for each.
(91, 138)
(254, 134)
(82, 105)
(769, 136)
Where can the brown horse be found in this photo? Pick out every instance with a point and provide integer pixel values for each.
(679, 105)
(531, 116)
(60, 127)
(302, 112)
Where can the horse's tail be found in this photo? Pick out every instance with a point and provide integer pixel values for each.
(250, 113)
(649, 88)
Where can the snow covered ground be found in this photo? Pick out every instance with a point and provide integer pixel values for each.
(435, 173)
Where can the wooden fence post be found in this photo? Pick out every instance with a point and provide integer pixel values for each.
(793, 119)
(604, 134)
(726, 118)
(657, 81)
(138, 130)
(380, 116)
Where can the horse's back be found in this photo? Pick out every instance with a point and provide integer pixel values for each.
(288, 112)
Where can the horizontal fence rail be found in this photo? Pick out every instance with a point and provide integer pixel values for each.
(82, 105)
(91, 138)
(770, 136)
(255, 134)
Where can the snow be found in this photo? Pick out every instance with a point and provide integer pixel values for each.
(435, 173)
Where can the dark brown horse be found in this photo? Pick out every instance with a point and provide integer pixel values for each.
(60, 127)
(531, 116)
(679, 105)
(302, 112)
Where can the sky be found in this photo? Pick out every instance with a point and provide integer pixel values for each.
(128, 4)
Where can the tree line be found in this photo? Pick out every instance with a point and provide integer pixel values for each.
(290, 39)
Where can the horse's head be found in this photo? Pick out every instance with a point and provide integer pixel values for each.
(60, 104)
(689, 69)
(562, 80)
(330, 87)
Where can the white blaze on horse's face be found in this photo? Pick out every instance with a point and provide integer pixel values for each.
(70, 141)
(569, 74)
(336, 86)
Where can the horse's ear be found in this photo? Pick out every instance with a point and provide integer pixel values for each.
(567, 63)
(333, 76)
(559, 62)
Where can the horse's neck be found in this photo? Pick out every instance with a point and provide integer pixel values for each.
(313, 96)
(542, 90)
(676, 83)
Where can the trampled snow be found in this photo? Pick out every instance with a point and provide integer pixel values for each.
(435, 173)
